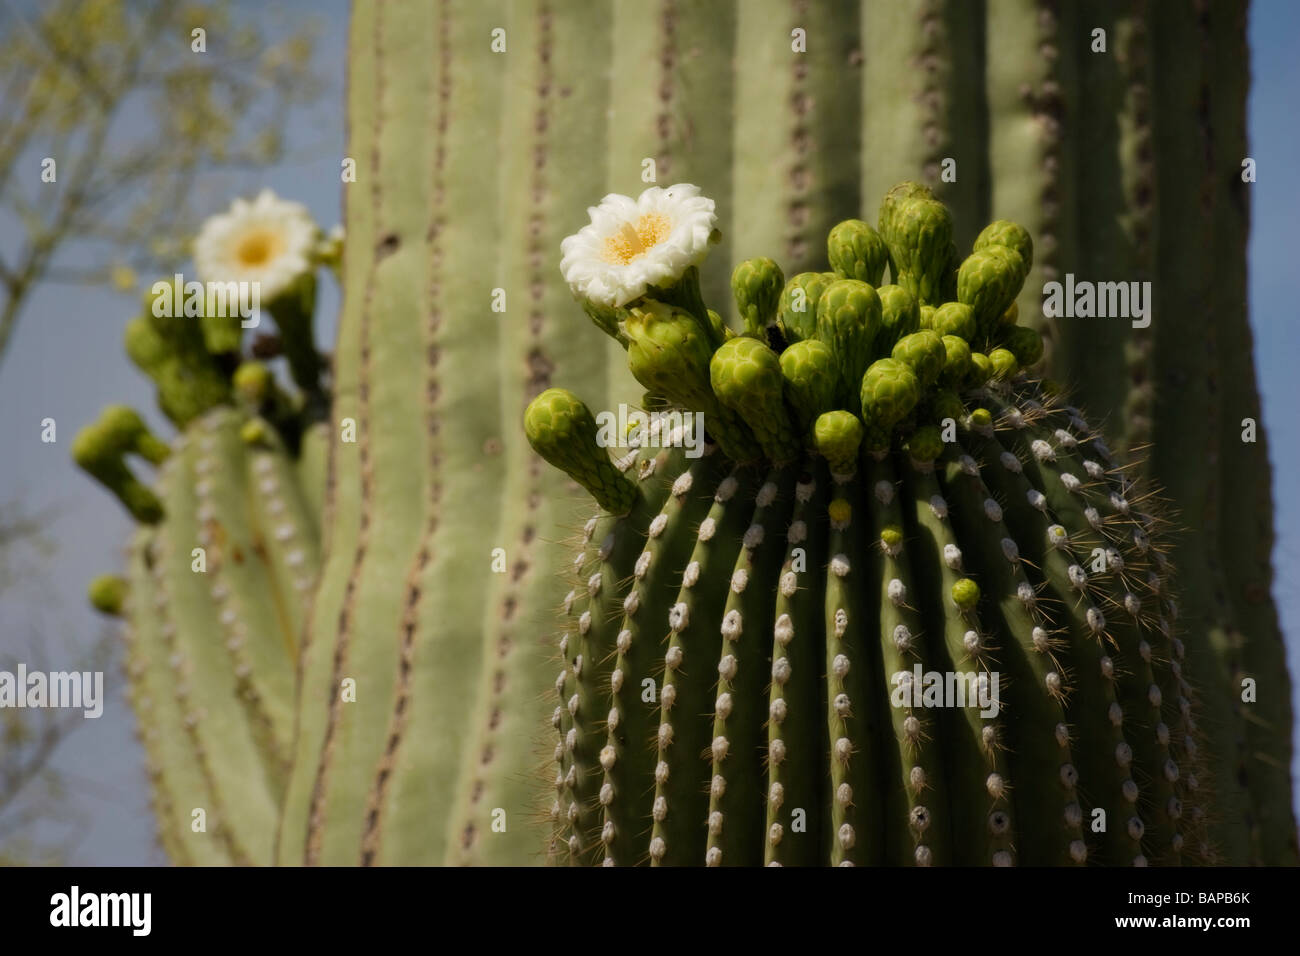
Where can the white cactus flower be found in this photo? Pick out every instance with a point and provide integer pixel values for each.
(267, 240)
(632, 244)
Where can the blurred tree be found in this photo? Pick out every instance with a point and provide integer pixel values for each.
(202, 79)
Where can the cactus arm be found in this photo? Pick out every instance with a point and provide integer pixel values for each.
(1133, 633)
(856, 832)
(794, 695)
(1109, 208)
(794, 141)
(645, 609)
(920, 831)
(914, 117)
(254, 614)
(735, 818)
(1186, 407)
(1030, 89)
(1091, 693)
(1046, 803)
(592, 646)
(321, 662)
(686, 691)
(1246, 512)
(230, 753)
(178, 782)
(974, 744)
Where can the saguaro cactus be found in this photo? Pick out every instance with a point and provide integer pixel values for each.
(480, 130)
(960, 529)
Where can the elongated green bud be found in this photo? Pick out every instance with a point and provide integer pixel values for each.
(899, 316)
(956, 362)
(100, 449)
(837, 436)
(890, 390)
(954, 318)
(925, 352)
(810, 374)
(756, 285)
(1025, 344)
(989, 282)
(848, 320)
(922, 247)
(669, 352)
(856, 251)
(889, 206)
(797, 309)
(1003, 232)
(563, 431)
(927, 316)
(746, 377)
(108, 594)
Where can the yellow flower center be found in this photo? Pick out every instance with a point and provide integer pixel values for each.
(631, 242)
(258, 247)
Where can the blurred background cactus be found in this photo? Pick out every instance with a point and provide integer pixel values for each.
(1123, 160)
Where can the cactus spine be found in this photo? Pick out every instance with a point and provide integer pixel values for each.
(789, 144)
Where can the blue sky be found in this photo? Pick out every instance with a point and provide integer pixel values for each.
(66, 363)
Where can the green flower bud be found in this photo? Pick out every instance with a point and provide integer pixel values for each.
(838, 435)
(954, 318)
(669, 353)
(811, 380)
(108, 594)
(981, 419)
(756, 285)
(848, 320)
(746, 377)
(856, 251)
(1025, 344)
(1011, 316)
(927, 316)
(956, 363)
(965, 594)
(1004, 364)
(896, 196)
(1003, 232)
(981, 370)
(899, 316)
(890, 390)
(252, 382)
(921, 247)
(100, 450)
(925, 352)
(925, 444)
(989, 282)
(797, 309)
(563, 431)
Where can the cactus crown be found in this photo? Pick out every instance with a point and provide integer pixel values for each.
(765, 648)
